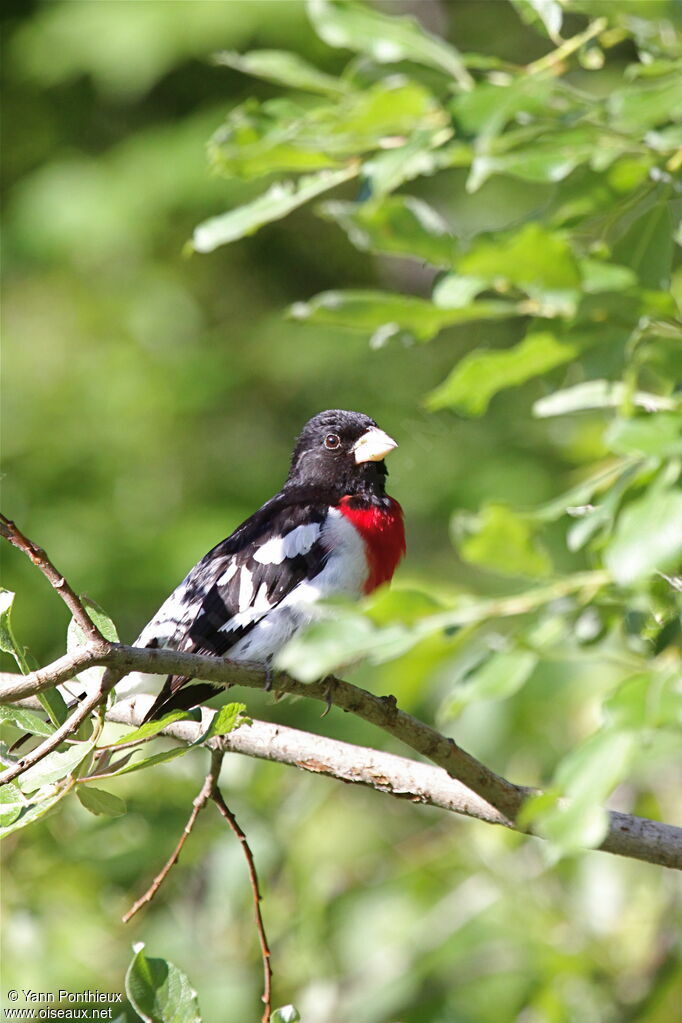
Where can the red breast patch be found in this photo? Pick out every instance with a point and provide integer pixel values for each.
(383, 534)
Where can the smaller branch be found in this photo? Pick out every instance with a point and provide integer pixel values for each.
(82, 711)
(205, 793)
(15, 687)
(11, 532)
(224, 809)
(556, 57)
(210, 791)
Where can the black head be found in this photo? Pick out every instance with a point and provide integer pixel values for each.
(341, 451)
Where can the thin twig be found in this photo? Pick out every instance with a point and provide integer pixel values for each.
(210, 791)
(13, 535)
(219, 801)
(198, 805)
(82, 711)
(15, 687)
(555, 58)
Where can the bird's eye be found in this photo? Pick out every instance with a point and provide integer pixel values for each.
(332, 441)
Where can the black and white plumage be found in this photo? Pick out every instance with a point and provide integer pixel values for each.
(331, 530)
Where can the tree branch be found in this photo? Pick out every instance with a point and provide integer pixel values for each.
(628, 836)
(210, 791)
(381, 711)
(82, 711)
(218, 799)
(15, 687)
(634, 837)
(198, 804)
(11, 532)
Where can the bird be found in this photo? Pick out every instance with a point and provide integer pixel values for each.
(330, 531)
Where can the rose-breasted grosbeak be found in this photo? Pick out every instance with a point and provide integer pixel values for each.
(331, 530)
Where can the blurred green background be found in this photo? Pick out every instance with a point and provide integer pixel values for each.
(150, 404)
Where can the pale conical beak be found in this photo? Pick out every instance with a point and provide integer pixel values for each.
(373, 446)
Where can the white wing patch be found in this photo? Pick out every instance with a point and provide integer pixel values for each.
(260, 607)
(228, 573)
(279, 548)
(245, 589)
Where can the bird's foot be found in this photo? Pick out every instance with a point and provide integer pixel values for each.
(328, 694)
(391, 704)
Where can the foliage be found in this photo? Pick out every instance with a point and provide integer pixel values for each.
(587, 271)
(514, 196)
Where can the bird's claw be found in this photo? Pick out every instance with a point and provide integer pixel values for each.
(328, 693)
(391, 704)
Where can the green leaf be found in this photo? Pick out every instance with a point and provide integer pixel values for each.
(12, 802)
(647, 538)
(389, 605)
(482, 374)
(283, 68)
(597, 394)
(273, 137)
(324, 646)
(580, 494)
(485, 111)
(54, 767)
(74, 635)
(538, 261)
(386, 39)
(646, 700)
(150, 728)
(454, 291)
(156, 758)
(339, 641)
(501, 541)
(586, 776)
(27, 720)
(420, 156)
(282, 135)
(279, 200)
(598, 276)
(659, 435)
(383, 314)
(159, 991)
(54, 705)
(599, 519)
(647, 246)
(90, 678)
(8, 643)
(574, 827)
(544, 14)
(226, 719)
(398, 225)
(634, 109)
(100, 802)
(501, 675)
(544, 160)
(29, 814)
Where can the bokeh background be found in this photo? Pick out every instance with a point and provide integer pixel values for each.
(150, 404)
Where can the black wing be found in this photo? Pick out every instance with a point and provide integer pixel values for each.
(233, 587)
